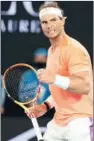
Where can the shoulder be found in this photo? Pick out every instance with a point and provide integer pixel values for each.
(75, 46)
(74, 51)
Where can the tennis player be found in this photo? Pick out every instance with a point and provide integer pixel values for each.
(69, 75)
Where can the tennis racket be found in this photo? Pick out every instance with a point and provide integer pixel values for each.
(23, 88)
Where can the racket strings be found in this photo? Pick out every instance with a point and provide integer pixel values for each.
(20, 83)
(12, 82)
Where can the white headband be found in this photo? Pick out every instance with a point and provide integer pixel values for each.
(50, 10)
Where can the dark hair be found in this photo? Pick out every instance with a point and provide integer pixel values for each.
(51, 4)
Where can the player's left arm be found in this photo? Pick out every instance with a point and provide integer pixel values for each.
(79, 79)
(79, 83)
(76, 83)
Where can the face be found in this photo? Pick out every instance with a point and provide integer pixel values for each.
(52, 25)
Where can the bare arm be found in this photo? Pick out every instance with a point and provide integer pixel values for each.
(76, 83)
(78, 66)
(79, 83)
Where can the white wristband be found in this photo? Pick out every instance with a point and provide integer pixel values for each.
(62, 82)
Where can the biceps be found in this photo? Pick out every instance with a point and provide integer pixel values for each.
(83, 75)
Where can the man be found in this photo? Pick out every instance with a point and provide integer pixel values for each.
(69, 75)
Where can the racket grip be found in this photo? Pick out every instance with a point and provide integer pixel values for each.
(37, 129)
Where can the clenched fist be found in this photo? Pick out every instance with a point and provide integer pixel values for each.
(46, 76)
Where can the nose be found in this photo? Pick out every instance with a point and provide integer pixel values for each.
(49, 26)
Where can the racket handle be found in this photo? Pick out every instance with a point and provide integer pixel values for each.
(37, 129)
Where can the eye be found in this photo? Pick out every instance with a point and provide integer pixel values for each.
(54, 19)
(44, 22)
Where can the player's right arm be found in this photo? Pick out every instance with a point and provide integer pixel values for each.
(40, 110)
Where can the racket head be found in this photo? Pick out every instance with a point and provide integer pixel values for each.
(21, 83)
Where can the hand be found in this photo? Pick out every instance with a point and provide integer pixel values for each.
(36, 111)
(46, 76)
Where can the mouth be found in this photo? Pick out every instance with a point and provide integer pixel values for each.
(51, 32)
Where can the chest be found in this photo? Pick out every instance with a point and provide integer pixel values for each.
(56, 62)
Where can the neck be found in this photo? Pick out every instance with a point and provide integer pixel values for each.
(56, 41)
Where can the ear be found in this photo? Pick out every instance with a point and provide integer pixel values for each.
(63, 21)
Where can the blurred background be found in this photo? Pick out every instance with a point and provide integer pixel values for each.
(22, 41)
